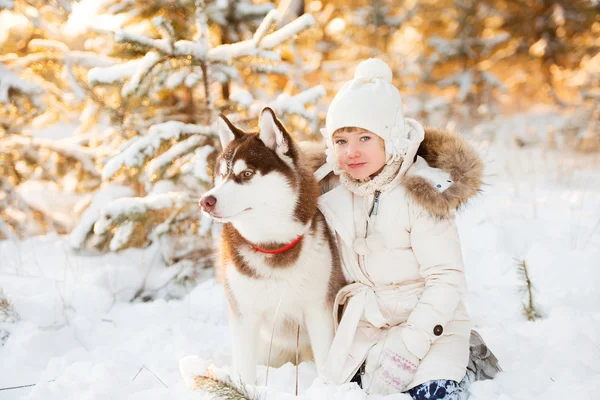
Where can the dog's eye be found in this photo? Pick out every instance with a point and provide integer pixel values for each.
(247, 173)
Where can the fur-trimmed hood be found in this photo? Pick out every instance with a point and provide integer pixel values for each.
(446, 172)
(453, 155)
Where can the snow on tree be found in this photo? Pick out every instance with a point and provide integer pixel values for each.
(582, 131)
(380, 19)
(558, 34)
(469, 50)
(178, 63)
(162, 101)
(19, 99)
(143, 80)
(39, 86)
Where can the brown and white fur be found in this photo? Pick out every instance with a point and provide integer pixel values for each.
(266, 196)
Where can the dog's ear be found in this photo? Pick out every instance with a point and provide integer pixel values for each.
(227, 132)
(272, 133)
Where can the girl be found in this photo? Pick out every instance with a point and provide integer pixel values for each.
(404, 326)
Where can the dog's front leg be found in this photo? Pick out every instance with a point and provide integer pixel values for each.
(319, 324)
(244, 335)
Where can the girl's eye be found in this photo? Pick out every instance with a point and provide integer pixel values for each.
(248, 173)
(340, 142)
(365, 138)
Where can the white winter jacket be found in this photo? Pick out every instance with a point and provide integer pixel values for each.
(405, 262)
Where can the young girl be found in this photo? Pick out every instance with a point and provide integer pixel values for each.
(404, 326)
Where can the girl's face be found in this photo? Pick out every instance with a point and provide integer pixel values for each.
(359, 152)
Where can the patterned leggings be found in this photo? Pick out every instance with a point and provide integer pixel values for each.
(440, 389)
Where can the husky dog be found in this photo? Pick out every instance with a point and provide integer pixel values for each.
(278, 264)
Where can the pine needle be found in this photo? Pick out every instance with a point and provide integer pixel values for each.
(220, 389)
(529, 308)
(7, 312)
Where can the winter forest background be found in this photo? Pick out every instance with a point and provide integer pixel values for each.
(107, 135)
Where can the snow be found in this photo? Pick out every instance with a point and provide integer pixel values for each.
(122, 235)
(463, 80)
(242, 97)
(253, 47)
(493, 80)
(192, 79)
(143, 67)
(127, 206)
(227, 52)
(287, 32)
(63, 147)
(103, 196)
(199, 166)
(134, 154)
(266, 24)
(78, 335)
(115, 73)
(248, 9)
(47, 197)
(176, 78)
(86, 16)
(162, 45)
(10, 81)
(179, 149)
(186, 47)
(286, 104)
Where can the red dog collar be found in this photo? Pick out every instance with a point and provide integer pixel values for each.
(280, 250)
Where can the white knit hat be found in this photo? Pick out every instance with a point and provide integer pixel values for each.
(371, 102)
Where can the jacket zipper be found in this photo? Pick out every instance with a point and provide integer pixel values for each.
(375, 205)
(373, 211)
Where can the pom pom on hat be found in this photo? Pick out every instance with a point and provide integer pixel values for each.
(369, 101)
(373, 68)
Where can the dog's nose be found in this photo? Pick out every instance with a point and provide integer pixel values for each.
(208, 203)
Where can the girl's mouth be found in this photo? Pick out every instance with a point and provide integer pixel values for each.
(357, 165)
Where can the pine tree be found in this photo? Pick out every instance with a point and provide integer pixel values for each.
(558, 34)
(162, 102)
(39, 87)
(468, 51)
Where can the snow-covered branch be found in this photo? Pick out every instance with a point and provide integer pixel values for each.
(113, 74)
(287, 32)
(153, 168)
(129, 206)
(143, 69)
(104, 196)
(136, 153)
(7, 4)
(11, 82)
(66, 149)
(286, 104)
(162, 45)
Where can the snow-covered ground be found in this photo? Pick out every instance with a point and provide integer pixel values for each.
(79, 337)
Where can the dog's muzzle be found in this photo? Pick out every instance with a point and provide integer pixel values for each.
(208, 203)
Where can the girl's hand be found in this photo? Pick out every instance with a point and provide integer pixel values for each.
(390, 366)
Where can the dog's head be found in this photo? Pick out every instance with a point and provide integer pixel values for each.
(256, 173)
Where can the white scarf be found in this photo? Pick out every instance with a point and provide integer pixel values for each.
(382, 182)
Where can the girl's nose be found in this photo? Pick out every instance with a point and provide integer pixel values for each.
(353, 152)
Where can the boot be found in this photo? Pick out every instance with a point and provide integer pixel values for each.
(483, 364)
